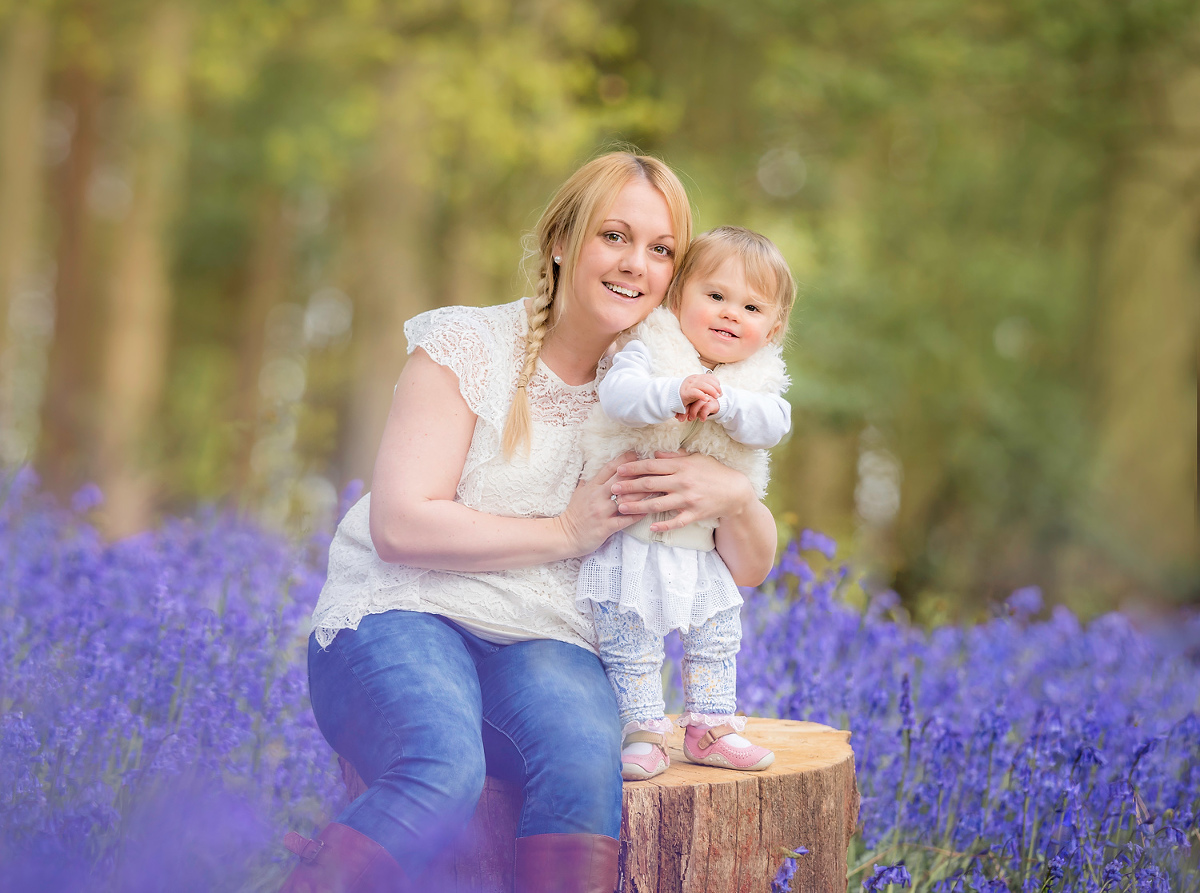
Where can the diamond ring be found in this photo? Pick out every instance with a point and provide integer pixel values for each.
(615, 498)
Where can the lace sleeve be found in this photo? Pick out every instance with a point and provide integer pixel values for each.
(465, 340)
(478, 345)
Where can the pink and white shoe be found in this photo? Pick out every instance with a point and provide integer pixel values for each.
(639, 767)
(710, 746)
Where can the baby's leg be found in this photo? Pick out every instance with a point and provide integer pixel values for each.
(710, 697)
(710, 666)
(632, 658)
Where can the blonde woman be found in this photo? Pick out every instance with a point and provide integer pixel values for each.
(446, 641)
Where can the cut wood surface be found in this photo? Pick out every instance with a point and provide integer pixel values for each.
(696, 829)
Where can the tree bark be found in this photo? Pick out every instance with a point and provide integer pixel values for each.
(265, 288)
(392, 278)
(22, 107)
(695, 829)
(1145, 465)
(68, 405)
(137, 335)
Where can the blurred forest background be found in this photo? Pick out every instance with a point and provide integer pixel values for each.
(215, 216)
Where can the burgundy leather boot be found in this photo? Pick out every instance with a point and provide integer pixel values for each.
(342, 860)
(566, 863)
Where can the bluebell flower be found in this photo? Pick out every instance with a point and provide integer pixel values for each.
(1025, 602)
(905, 705)
(818, 542)
(177, 657)
(787, 870)
(86, 498)
(888, 874)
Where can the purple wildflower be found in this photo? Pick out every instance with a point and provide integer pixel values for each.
(86, 498)
(787, 870)
(888, 874)
(811, 540)
(1025, 602)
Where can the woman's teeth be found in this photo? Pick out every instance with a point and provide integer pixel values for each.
(626, 292)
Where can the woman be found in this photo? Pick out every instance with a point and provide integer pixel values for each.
(446, 640)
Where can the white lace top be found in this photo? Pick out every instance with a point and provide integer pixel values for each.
(484, 347)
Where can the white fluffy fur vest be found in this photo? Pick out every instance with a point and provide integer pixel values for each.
(672, 356)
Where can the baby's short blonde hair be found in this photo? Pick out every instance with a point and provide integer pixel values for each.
(766, 270)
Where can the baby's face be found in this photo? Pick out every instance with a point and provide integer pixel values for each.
(723, 317)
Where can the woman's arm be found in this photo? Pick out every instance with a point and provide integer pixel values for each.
(414, 518)
(700, 488)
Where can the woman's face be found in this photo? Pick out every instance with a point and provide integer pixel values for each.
(626, 261)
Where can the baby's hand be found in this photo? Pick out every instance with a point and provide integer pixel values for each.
(700, 409)
(698, 387)
(699, 394)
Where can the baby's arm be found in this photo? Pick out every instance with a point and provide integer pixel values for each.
(757, 420)
(631, 395)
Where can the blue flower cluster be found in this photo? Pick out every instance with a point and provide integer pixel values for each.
(155, 731)
(1027, 753)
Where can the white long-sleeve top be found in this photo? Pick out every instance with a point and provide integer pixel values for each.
(632, 395)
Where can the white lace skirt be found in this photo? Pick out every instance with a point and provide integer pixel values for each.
(669, 587)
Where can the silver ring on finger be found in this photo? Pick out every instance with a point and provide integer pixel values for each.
(615, 498)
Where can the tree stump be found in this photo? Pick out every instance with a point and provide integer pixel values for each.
(694, 829)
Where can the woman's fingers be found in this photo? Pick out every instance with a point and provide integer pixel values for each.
(662, 464)
(696, 487)
(680, 519)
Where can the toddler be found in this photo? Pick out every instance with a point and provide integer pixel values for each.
(703, 373)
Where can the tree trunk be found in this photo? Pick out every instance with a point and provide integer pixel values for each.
(695, 829)
(1145, 466)
(265, 288)
(68, 406)
(134, 363)
(22, 107)
(392, 278)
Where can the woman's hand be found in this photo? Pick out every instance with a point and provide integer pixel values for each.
(591, 517)
(694, 486)
(699, 488)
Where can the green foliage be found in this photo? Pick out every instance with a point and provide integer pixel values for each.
(940, 173)
(953, 164)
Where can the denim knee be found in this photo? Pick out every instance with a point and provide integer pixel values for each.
(420, 803)
(575, 787)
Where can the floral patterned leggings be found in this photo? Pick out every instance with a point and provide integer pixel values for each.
(633, 659)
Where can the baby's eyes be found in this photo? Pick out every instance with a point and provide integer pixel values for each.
(716, 296)
(752, 308)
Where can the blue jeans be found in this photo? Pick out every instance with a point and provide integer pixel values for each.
(423, 709)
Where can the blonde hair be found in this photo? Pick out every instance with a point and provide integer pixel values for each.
(766, 270)
(567, 222)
